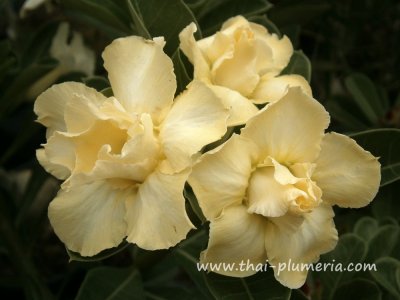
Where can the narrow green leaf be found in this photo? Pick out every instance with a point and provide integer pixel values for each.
(358, 289)
(344, 117)
(111, 284)
(350, 249)
(386, 275)
(385, 144)
(299, 64)
(365, 96)
(100, 256)
(297, 13)
(182, 77)
(383, 243)
(97, 82)
(137, 20)
(366, 228)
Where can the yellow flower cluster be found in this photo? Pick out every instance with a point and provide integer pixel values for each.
(267, 193)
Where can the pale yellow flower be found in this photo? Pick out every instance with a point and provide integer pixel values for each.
(268, 192)
(72, 56)
(125, 158)
(241, 63)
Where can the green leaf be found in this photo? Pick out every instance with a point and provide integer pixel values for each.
(366, 227)
(138, 20)
(386, 202)
(167, 19)
(358, 289)
(299, 64)
(181, 73)
(262, 285)
(350, 249)
(111, 284)
(97, 82)
(100, 256)
(298, 295)
(344, 117)
(365, 96)
(191, 197)
(383, 243)
(384, 143)
(386, 274)
(215, 13)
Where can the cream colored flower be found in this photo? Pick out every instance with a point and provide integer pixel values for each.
(71, 57)
(242, 63)
(268, 192)
(125, 158)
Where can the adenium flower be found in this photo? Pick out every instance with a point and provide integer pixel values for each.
(72, 56)
(125, 158)
(268, 192)
(241, 63)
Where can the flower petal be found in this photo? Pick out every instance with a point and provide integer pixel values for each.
(291, 129)
(236, 237)
(50, 105)
(240, 108)
(141, 75)
(221, 178)
(314, 236)
(157, 218)
(191, 49)
(90, 218)
(272, 89)
(239, 72)
(348, 175)
(196, 119)
(57, 170)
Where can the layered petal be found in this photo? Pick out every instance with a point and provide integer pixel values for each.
(190, 48)
(90, 218)
(196, 119)
(141, 75)
(236, 237)
(57, 170)
(221, 178)
(157, 218)
(50, 105)
(291, 129)
(302, 245)
(240, 108)
(272, 89)
(348, 175)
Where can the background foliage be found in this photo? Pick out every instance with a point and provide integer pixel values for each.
(353, 49)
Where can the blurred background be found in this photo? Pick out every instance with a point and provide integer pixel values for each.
(353, 47)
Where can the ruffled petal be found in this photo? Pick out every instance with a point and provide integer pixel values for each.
(196, 119)
(240, 108)
(273, 89)
(57, 170)
(141, 75)
(222, 176)
(236, 237)
(348, 175)
(302, 245)
(290, 130)
(191, 49)
(157, 218)
(90, 218)
(50, 105)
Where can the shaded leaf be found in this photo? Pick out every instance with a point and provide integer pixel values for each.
(383, 243)
(299, 64)
(386, 274)
(366, 228)
(385, 144)
(111, 284)
(100, 256)
(358, 289)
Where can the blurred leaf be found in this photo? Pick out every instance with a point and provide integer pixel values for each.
(111, 284)
(104, 14)
(299, 64)
(350, 249)
(167, 19)
(383, 243)
(262, 285)
(358, 289)
(138, 20)
(386, 274)
(108, 92)
(344, 117)
(386, 202)
(100, 256)
(300, 12)
(298, 295)
(97, 82)
(385, 144)
(366, 228)
(182, 77)
(190, 196)
(215, 13)
(366, 96)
